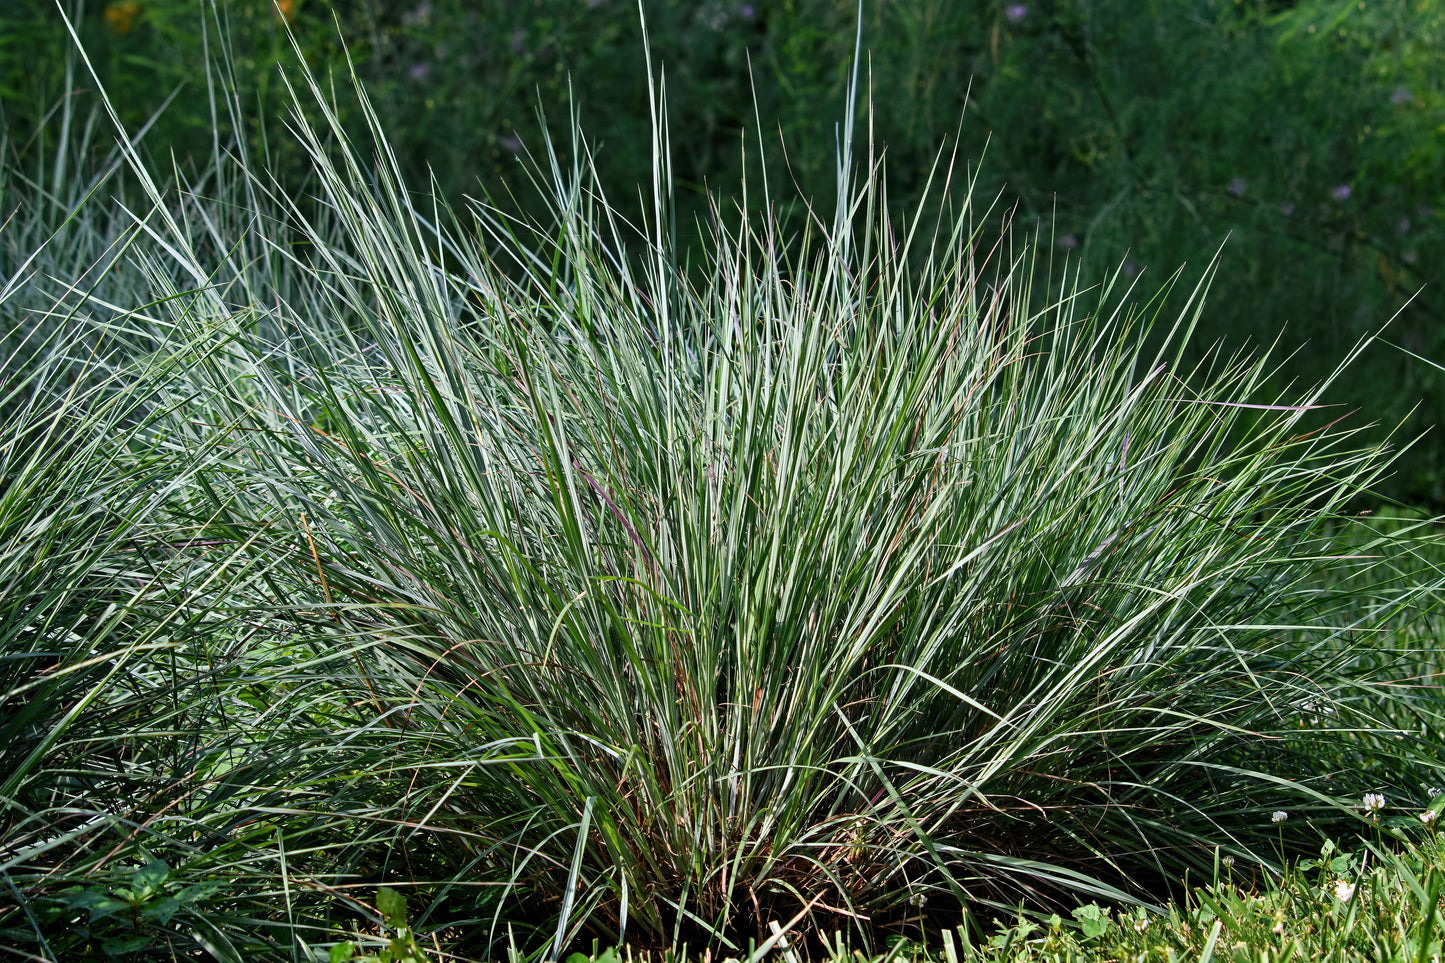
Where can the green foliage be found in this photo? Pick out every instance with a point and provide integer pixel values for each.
(401, 945)
(121, 919)
(1371, 904)
(606, 956)
(854, 580)
(1092, 920)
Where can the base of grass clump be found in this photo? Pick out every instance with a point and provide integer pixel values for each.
(1370, 903)
(843, 582)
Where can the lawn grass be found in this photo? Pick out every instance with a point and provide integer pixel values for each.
(853, 583)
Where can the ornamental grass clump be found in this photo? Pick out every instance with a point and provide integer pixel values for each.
(841, 581)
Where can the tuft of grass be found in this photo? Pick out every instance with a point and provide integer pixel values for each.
(848, 581)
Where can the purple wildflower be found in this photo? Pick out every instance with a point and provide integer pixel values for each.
(1237, 186)
(1341, 193)
(1402, 95)
(1068, 242)
(1015, 12)
(419, 71)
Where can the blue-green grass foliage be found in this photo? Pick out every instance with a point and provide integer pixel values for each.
(848, 579)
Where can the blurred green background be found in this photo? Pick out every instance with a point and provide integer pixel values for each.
(1142, 134)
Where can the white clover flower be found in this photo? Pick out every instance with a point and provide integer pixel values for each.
(1140, 925)
(1428, 817)
(1432, 791)
(1344, 889)
(1279, 816)
(1374, 802)
(1227, 861)
(918, 899)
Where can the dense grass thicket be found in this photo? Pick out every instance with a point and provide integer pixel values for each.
(863, 580)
